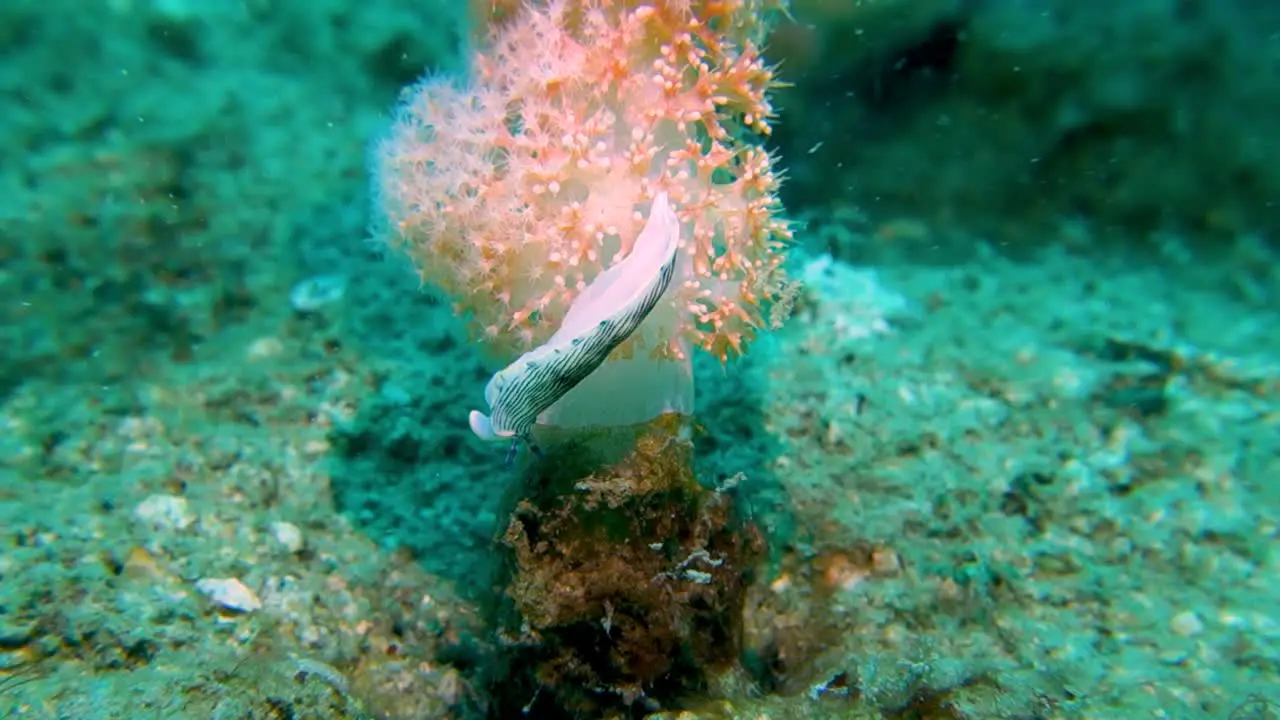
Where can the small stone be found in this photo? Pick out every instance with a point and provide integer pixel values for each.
(288, 535)
(164, 512)
(230, 594)
(316, 292)
(1187, 624)
(141, 564)
(264, 348)
(885, 562)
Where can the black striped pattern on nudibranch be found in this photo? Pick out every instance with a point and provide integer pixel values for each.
(541, 380)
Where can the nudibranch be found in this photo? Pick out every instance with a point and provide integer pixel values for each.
(599, 319)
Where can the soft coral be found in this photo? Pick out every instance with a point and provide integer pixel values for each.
(512, 191)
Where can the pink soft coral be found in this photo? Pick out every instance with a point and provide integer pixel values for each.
(513, 189)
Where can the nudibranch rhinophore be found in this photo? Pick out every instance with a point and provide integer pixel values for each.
(600, 318)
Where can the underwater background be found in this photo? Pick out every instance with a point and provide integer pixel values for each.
(1016, 453)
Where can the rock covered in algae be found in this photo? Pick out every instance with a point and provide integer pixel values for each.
(625, 578)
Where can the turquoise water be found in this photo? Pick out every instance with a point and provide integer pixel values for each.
(1014, 454)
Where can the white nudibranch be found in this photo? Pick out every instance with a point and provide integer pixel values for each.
(603, 315)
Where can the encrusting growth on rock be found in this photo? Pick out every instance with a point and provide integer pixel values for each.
(625, 579)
